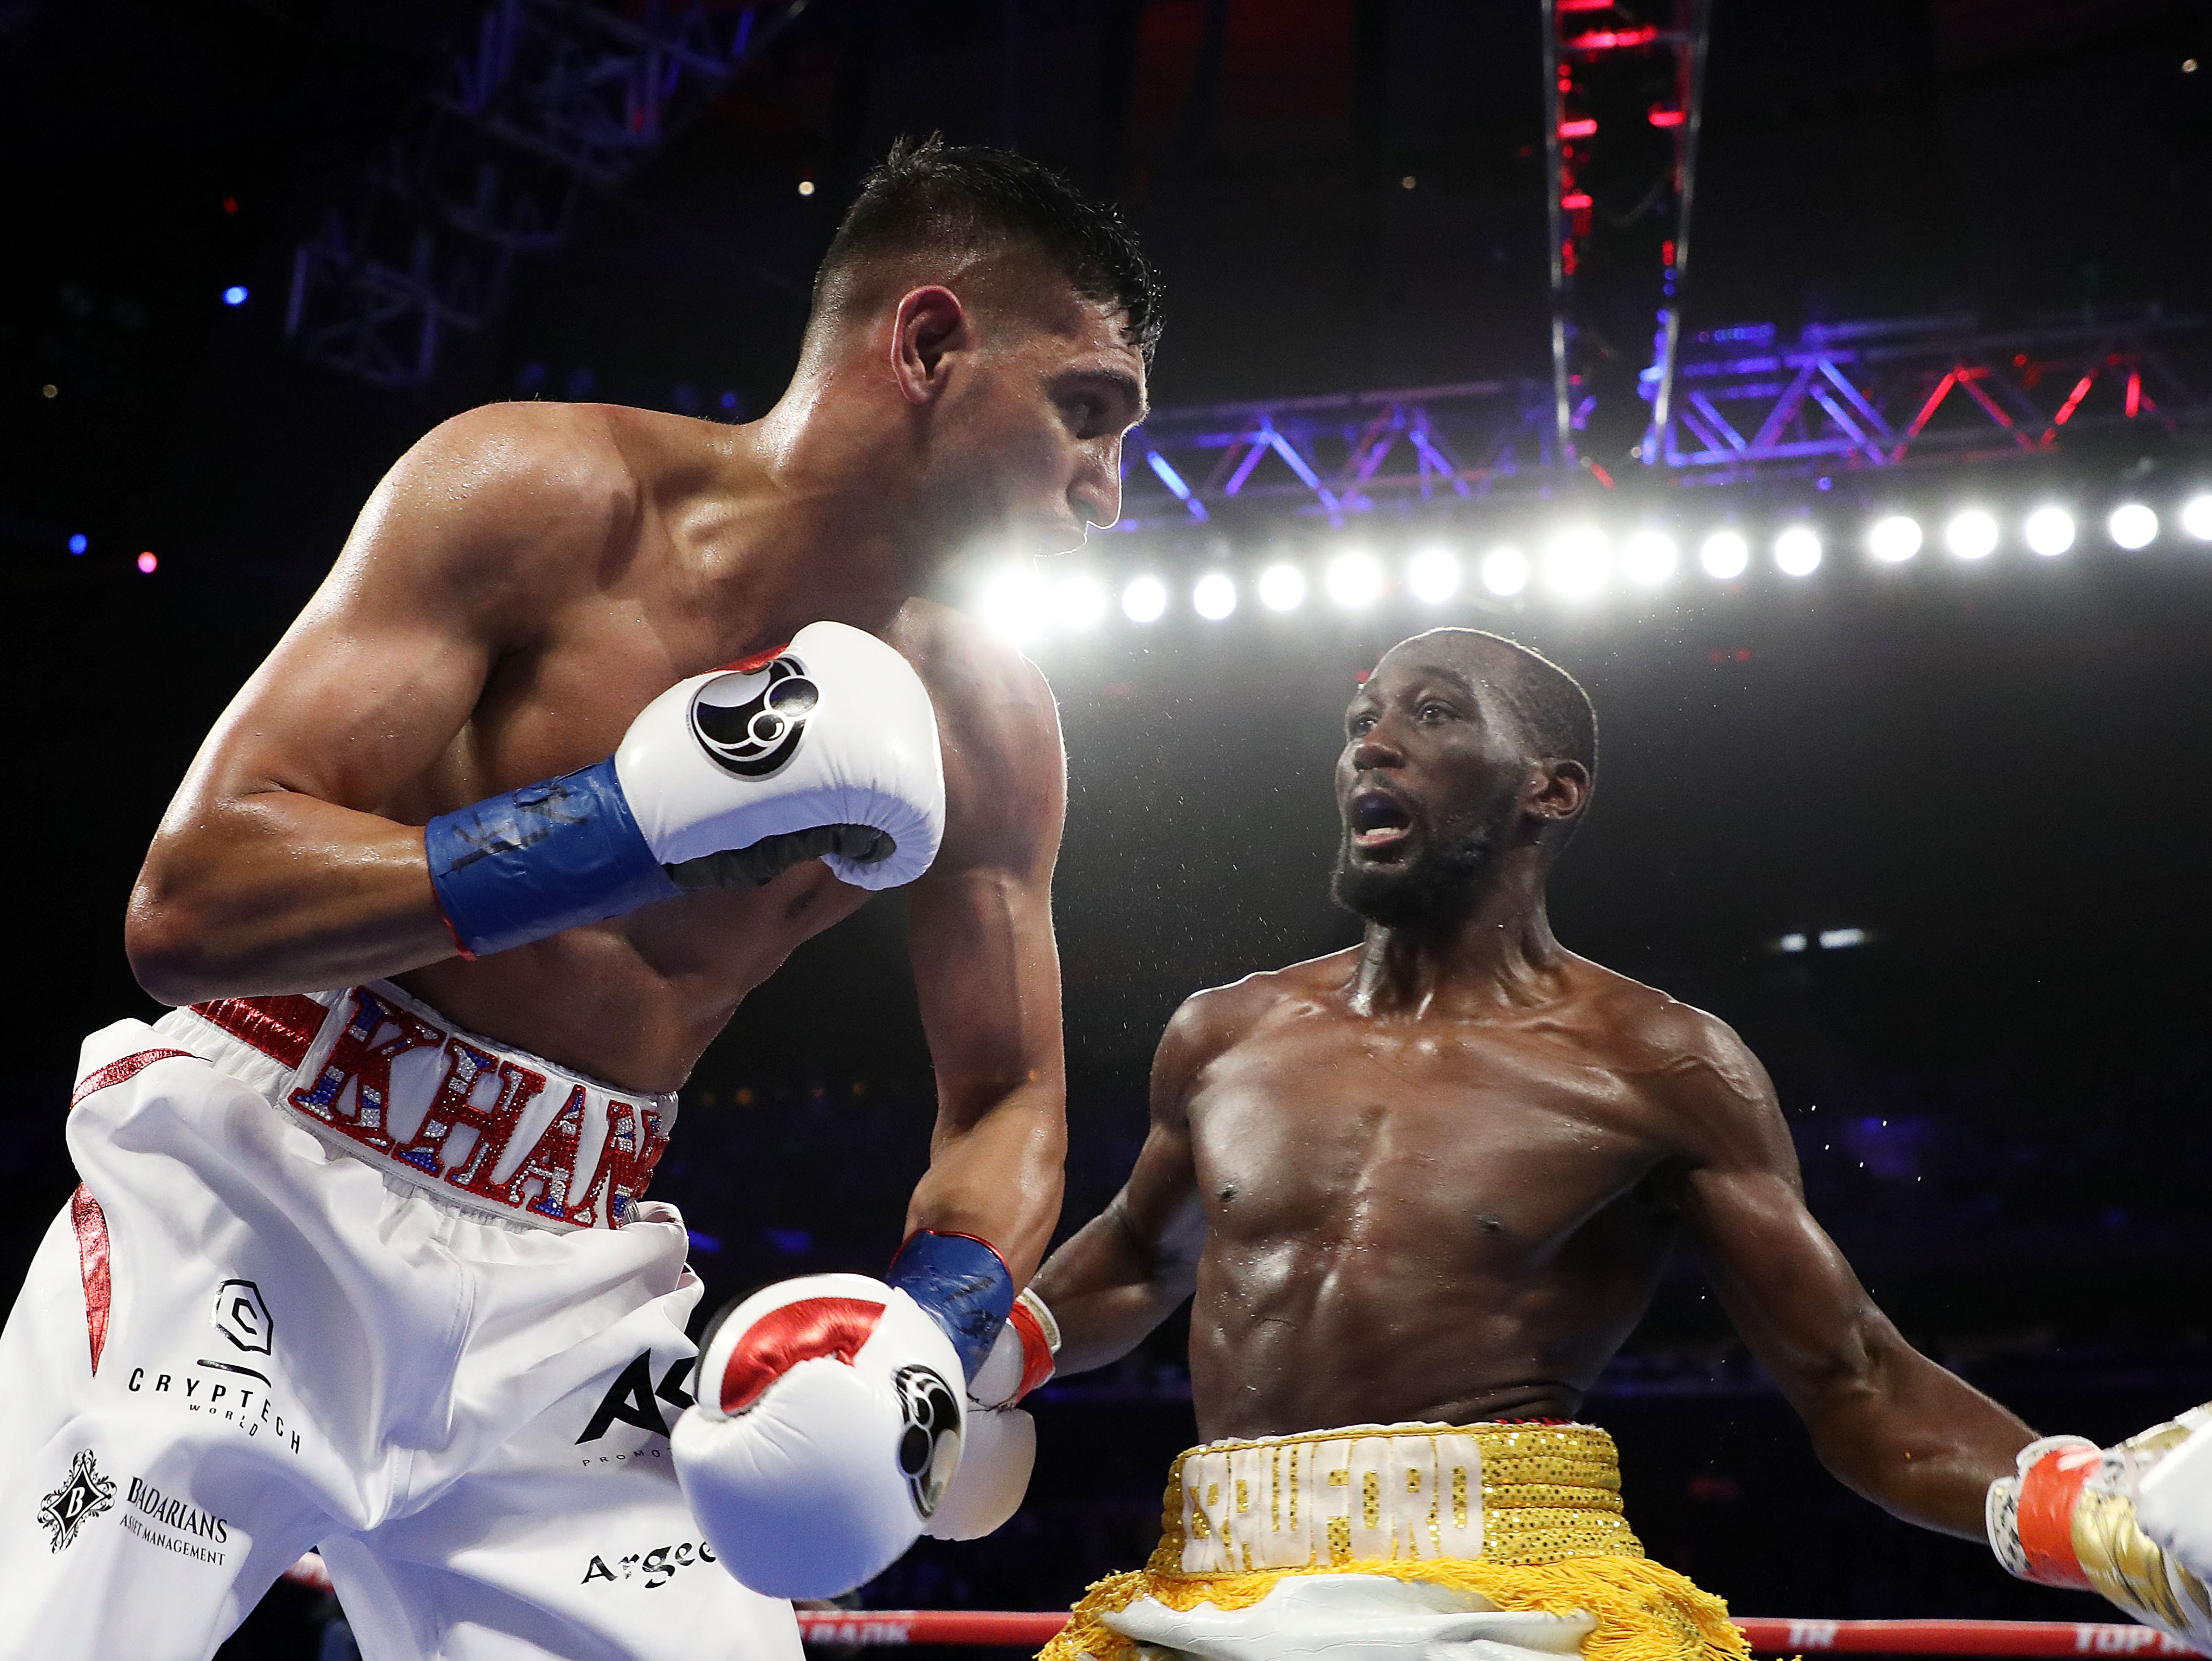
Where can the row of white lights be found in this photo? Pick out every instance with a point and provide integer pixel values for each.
(1576, 565)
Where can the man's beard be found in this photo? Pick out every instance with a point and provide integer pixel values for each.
(1436, 887)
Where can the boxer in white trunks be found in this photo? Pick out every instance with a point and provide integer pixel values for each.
(361, 1258)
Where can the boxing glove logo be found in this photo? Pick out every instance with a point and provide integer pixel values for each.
(751, 721)
(929, 1446)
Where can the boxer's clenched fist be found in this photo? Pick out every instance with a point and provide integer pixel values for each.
(828, 750)
(830, 1424)
(2128, 1521)
(998, 1448)
(827, 1425)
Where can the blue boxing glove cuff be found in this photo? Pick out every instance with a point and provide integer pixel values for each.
(964, 1284)
(565, 852)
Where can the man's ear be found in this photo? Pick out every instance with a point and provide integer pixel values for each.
(1562, 790)
(930, 323)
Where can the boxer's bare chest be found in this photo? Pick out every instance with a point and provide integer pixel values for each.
(636, 999)
(1477, 1142)
(1415, 1217)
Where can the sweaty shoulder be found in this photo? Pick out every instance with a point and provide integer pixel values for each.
(1692, 1065)
(505, 504)
(1210, 1023)
(1004, 769)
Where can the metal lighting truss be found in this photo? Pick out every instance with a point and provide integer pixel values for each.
(1880, 394)
(553, 98)
(1842, 397)
(1624, 85)
(1336, 454)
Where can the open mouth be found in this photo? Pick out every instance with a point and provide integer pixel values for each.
(1377, 821)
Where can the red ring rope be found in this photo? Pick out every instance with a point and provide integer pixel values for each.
(1769, 1634)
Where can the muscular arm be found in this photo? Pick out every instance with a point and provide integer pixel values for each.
(985, 966)
(1127, 1269)
(1890, 1424)
(280, 865)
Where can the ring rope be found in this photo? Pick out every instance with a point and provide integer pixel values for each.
(1769, 1634)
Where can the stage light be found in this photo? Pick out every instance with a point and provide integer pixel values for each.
(1647, 559)
(1143, 600)
(1433, 575)
(148, 563)
(1016, 602)
(2132, 525)
(234, 295)
(2048, 530)
(1725, 555)
(2197, 517)
(1835, 940)
(78, 544)
(1971, 534)
(1505, 572)
(1354, 581)
(1214, 595)
(1079, 602)
(806, 187)
(1575, 564)
(1797, 551)
(1282, 588)
(1895, 539)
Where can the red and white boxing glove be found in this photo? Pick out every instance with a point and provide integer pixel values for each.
(2070, 1517)
(1000, 1448)
(827, 1425)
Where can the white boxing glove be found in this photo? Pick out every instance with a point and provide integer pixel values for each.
(827, 1426)
(835, 730)
(999, 1451)
(2105, 1521)
(2173, 1502)
(826, 750)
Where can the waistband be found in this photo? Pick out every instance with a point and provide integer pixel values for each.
(1512, 1494)
(383, 1077)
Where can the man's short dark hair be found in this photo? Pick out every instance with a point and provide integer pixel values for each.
(931, 194)
(1561, 720)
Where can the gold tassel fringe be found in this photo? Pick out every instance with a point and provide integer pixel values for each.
(1646, 1611)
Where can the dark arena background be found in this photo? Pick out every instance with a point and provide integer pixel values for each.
(1878, 530)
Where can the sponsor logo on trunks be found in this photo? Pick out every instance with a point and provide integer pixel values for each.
(633, 1399)
(657, 1567)
(84, 1494)
(241, 1315)
(183, 1527)
(751, 723)
(220, 1389)
(929, 1446)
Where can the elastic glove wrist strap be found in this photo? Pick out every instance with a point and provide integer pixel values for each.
(551, 856)
(963, 1282)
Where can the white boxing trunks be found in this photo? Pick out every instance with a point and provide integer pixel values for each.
(340, 1276)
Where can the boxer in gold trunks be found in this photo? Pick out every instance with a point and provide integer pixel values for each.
(1422, 1189)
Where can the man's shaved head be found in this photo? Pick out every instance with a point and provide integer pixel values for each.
(1555, 712)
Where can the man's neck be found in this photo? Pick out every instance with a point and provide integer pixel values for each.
(822, 529)
(1499, 952)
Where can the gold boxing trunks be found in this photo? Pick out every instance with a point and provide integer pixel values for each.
(1518, 1517)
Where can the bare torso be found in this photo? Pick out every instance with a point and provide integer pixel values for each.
(1443, 1218)
(638, 998)
(515, 595)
